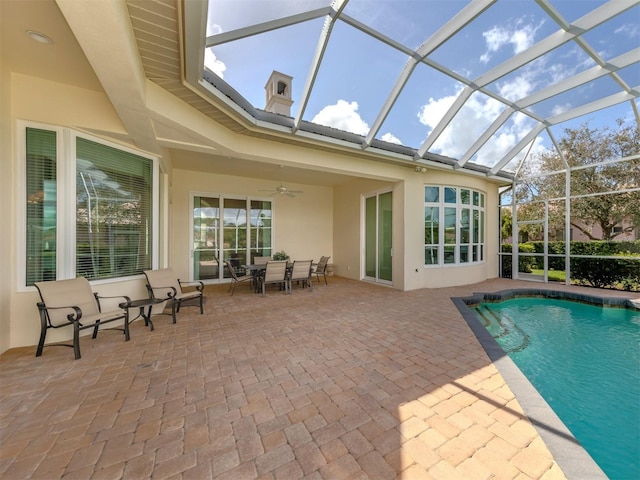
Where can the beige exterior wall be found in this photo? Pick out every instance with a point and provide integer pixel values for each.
(302, 226)
(52, 103)
(7, 180)
(322, 221)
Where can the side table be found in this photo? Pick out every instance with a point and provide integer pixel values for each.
(143, 303)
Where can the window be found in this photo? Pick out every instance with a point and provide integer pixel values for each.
(102, 193)
(453, 226)
(41, 213)
(113, 211)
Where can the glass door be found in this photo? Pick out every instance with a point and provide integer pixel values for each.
(234, 232)
(206, 234)
(260, 229)
(378, 238)
(228, 229)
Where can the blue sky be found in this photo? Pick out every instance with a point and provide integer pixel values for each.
(358, 72)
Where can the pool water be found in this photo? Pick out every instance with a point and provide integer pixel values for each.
(584, 361)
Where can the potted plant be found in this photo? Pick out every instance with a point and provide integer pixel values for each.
(281, 255)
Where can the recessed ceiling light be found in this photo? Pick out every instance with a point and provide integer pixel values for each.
(39, 37)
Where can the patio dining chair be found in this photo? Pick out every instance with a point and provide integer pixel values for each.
(236, 279)
(300, 272)
(321, 269)
(164, 284)
(261, 260)
(275, 273)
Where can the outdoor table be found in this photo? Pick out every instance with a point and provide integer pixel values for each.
(255, 271)
(143, 303)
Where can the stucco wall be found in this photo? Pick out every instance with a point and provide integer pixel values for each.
(36, 100)
(409, 271)
(302, 226)
(348, 225)
(322, 221)
(7, 201)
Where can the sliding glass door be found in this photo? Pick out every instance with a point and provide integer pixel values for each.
(234, 232)
(378, 244)
(221, 233)
(206, 237)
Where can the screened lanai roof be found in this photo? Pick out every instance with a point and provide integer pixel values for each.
(482, 85)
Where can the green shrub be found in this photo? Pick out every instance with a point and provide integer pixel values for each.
(618, 273)
(281, 255)
(525, 264)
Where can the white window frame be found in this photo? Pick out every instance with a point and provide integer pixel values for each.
(222, 197)
(66, 201)
(458, 206)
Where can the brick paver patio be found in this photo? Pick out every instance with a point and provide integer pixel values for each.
(351, 380)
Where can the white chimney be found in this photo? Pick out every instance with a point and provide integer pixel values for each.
(278, 90)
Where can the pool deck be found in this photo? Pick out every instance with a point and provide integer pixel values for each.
(351, 380)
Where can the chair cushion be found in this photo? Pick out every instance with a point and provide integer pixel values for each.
(67, 293)
(186, 295)
(301, 269)
(104, 316)
(164, 277)
(275, 271)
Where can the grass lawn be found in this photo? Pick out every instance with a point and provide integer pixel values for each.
(554, 275)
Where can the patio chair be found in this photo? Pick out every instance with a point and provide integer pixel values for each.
(300, 272)
(235, 279)
(72, 303)
(321, 269)
(275, 272)
(261, 260)
(164, 284)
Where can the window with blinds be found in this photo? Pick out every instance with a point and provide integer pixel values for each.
(113, 211)
(41, 205)
(112, 203)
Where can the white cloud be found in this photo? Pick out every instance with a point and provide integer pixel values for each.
(391, 138)
(522, 39)
(518, 35)
(558, 109)
(431, 113)
(212, 63)
(469, 124)
(210, 60)
(631, 30)
(213, 29)
(343, 116)
(518, 88)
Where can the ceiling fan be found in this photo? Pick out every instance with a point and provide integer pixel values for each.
(281, 189)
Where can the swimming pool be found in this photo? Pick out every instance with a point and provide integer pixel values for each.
(584, 360)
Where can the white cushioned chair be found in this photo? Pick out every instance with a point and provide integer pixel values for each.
(301, 272)
(72, 303)
(275, 272)
(164, 284)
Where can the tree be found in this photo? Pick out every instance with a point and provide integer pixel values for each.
(596, 187)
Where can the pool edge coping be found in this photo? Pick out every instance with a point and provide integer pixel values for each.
(572, 458)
